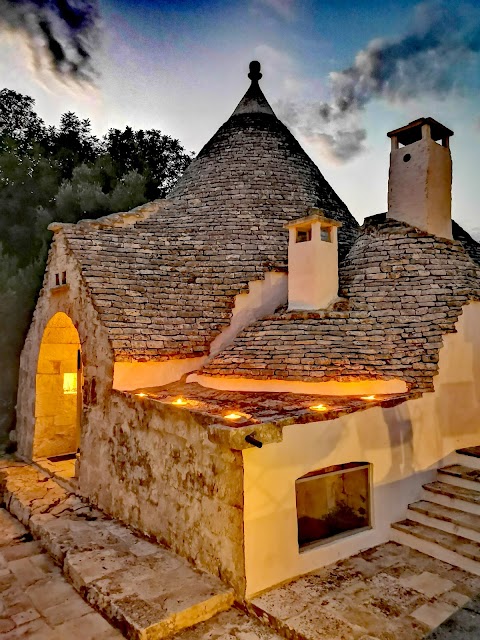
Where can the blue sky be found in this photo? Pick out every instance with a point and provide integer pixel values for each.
(181, 67)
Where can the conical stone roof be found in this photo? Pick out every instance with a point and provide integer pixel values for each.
(253, 165)
(165, 286)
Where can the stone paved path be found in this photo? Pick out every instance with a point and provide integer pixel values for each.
(390, 592)
(36, 602)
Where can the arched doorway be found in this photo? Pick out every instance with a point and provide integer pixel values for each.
(58, 395)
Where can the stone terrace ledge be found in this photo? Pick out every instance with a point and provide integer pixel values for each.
(262, 415)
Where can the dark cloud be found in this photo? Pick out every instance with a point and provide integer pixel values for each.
(432, 59)
(61, 34)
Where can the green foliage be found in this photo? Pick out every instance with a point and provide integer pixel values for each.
(62, 174)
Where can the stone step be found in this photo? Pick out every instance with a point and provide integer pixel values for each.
(143, 589)
(469, 457)
(452, 496)
(461, 476)
(447, 547)
(431, 514)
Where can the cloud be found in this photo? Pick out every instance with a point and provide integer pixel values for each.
(280, 69)
(429, 60)
(61, 35)
(284, 8)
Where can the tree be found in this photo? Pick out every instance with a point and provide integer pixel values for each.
(18, 121)
(64, 174)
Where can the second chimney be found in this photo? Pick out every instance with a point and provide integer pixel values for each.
(420, 180)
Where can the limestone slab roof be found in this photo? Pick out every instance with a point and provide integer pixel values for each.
(260, 407)
(164, 286)
(403, 288)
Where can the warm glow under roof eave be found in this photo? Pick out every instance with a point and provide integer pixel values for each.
(330, 388)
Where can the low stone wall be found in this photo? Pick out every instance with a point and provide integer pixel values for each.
(154, 467)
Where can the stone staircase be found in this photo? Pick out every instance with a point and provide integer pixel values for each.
(143, 589)
(445, 523)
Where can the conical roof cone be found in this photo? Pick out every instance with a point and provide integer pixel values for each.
(254, 168)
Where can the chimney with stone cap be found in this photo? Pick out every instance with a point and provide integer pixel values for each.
(312, 261)
(420, 179)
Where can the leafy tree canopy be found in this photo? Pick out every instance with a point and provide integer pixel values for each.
(62, 173)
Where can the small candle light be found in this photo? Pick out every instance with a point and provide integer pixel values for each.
(141, 395)
(319, 407)
(233, 416)
(179, 401)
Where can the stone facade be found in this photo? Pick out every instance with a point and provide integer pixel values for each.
(154, 467)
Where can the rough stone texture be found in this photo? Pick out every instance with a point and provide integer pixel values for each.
(389, 592)
(154, 466)
(35, 600)
(231, 625)
(143, 589)
(166, 285)
(462, 625)
(262, 407)
(404, 289)
(74, 300)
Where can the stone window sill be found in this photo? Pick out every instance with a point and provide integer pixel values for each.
(60, 288)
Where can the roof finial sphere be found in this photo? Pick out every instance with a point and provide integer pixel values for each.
(254, 74)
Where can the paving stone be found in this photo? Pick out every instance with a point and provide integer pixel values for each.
(138, 586)
(229, 625)
(89, 627)
(463, 625)
(6, 625)
(428, 583)
(434, 613)
(50, 591)
(70, 609)
(23, 550)
(25, 616)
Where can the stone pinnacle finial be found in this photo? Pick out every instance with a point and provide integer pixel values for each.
(254, 74)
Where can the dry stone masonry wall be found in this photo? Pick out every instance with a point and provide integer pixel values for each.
(165, 286)
(404, 290)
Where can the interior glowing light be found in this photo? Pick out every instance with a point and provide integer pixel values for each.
(319, 407)
(69, 383)
(368, 397)
(233, 416)
(180, 401)
(141, 395)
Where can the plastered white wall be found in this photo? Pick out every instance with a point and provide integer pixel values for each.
(263, 297)
(404, 444)
(419, 191)
(134, 375)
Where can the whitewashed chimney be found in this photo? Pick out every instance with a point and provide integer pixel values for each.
(312, 261)
(420, 180)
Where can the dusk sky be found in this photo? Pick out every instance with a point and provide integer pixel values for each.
(182, 67)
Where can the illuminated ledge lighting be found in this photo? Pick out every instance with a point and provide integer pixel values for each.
(69, 384)
(180, 401)
(368, 398)
(141, 395)
(234, 416)
(318, 407)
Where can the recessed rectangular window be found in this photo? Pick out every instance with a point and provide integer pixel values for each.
(69, 383)
(332, 502)
(64, 277)
(304, 235)
(326, 234)
(57, 279)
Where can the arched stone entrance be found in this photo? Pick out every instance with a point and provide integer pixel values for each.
(58, 387)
